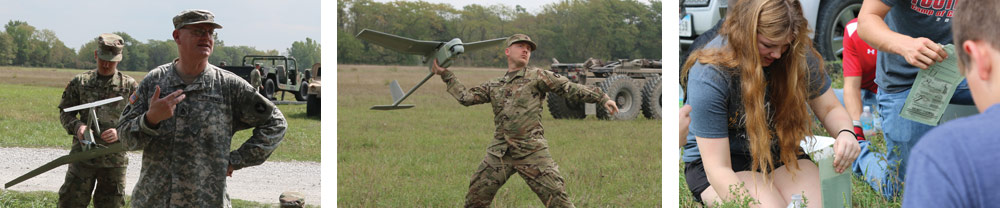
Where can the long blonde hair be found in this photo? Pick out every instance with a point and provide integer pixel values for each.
(788, 77)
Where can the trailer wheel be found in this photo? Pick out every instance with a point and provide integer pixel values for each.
(312, 105)
(652, 98)
(560, 108)
(620, 89)
(303, 91)
(269, 89)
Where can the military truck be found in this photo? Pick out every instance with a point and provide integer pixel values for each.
(279, 75)
(312, 101)
(633, 84)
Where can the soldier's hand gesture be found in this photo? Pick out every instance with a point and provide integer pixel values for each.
(163, 108)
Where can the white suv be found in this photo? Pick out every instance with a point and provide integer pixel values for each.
(698, 16)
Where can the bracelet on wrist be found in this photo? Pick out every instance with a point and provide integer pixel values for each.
(855, 135)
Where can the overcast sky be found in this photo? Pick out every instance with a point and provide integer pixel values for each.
(264, 24)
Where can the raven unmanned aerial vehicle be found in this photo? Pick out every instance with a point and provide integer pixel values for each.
(443, 52)
(90, 148)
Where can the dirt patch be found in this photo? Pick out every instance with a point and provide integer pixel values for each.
(263, 183)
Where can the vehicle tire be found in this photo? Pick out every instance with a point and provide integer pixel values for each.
(303, 91)
(652, 98)
(620, 89)
(269, 88)
(560, 108)
(312, 105)
(832, 16)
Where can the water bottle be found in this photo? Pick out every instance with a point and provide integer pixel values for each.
(797, 202)
(867, 122)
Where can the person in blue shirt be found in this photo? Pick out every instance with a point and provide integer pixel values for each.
(752, 88)
(956, 164)
(908, 35)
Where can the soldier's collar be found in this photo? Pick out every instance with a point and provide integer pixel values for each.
(114, 81)
(510, 76)
(174, 78)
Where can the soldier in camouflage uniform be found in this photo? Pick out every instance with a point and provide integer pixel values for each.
(255, 77)
(185, 132)
(106, 172)
(518, 144)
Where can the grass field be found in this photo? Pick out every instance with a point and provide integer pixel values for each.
(41, 199)
(30, 117)
(424, 156)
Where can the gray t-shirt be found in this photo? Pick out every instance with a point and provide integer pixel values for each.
(929, 19)
(714, 93)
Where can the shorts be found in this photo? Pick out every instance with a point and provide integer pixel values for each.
(697, 180)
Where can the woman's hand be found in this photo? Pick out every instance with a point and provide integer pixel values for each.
(845, 149)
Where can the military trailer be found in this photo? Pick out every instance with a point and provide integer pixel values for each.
(280, 75)
(633, 84)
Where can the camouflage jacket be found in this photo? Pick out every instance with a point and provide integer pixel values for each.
(85, 88)
(185, 157)
(255, 79)
(517, 100)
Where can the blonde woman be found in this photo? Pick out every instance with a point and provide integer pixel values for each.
(754, 86)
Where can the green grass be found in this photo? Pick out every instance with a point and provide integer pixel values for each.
(836, 73)
(425, 156)
(862, 195)
(30, 117)
(51, 199)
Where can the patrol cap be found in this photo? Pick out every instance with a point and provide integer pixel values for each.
(520, 38)
(291, 199)
(195, 16)
(109, 47)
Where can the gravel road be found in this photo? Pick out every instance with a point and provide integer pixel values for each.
(263, 183)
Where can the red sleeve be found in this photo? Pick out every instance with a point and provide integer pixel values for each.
(851, 62)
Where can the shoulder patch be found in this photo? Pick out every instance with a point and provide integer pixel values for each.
(132, 98)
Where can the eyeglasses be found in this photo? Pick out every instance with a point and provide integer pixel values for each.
(201, 32)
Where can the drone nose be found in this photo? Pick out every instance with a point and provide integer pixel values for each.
(457, 49)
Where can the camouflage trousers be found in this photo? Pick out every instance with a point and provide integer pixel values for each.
(81, 180)
(538, 170)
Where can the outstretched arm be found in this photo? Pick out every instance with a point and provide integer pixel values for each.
(467, 97)
(552, 82)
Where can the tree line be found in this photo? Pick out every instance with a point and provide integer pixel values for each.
(569, 30)
(24, 45)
